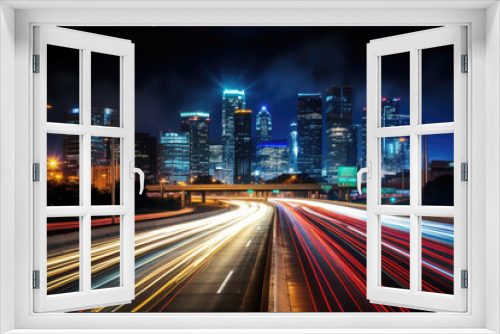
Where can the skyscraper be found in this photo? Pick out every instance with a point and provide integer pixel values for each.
(263, 126)
(173, 156)
(309, 134)
(242, 146)
(293, 148)
(198, 127)
(215, 161)
(341, 135)
(273, 159)
(232, 100)
(395, 150)
(146, 155)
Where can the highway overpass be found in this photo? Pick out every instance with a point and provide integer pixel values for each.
(261, 190)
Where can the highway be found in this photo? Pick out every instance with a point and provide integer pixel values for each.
(204, 265)
(325, 256)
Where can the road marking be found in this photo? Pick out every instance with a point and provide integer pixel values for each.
(225, 281)
(248, 244)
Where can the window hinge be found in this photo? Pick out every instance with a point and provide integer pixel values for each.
(464, 171)
(36, 172)
(36, 279)
(465, 279)
(36, 63)
(465, 64)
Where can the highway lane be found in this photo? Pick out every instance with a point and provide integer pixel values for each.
(200, 265)
(325, 256)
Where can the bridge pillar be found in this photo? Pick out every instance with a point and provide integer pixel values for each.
(265, 196)
(316, 194)
(188, 198)
(183, 199)
(309, 194)
(203, 197)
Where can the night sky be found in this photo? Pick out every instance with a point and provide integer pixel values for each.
(186, 68)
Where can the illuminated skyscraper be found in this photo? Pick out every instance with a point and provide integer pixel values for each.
(215, 161)
(363, 136)
(341, 135)
(310, 134)
(395, 150)
(263, 126)
(232, 100)
(146, 155)
(273, 159)
(293, 148)
(242, 146)
(197, 124)
(173, 156)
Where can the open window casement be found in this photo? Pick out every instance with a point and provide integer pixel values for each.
(97, 275)
(413, 216)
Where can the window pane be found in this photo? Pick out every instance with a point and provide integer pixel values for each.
(395, 170)
(105, 171)
(105, 252)
(395, 90)
(395, 239)
(63, 85)
(437, 254)
(63, 255)
(63, 170)
(105, 89)
(437, 169)
(437, 85)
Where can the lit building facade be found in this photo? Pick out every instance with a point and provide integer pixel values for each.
(310, 134)
(173, 156)
(243, 146)
(263, 126)
(293, 148)
(215, 161)
(272, 158)
(395, 150)
(341, 135)
(198, 127)
(232, 100)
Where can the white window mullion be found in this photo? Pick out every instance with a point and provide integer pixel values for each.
(415, 105)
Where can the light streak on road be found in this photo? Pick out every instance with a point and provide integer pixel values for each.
(166, 258)
(330, 243)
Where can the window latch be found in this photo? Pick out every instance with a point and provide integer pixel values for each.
(368, 171)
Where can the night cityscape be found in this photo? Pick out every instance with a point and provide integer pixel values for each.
(218, 147)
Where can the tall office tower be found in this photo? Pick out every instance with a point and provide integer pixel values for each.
(395, 150)
(187, 115)
(146, 155)
(173, 156)
(215, 161)
(104, 151)
(263, 126)
(232, 100)
(273, 159)
(341, 135)
(242, 146)
(198, 126)
(293, 148)
(363, 138)
(310, 134)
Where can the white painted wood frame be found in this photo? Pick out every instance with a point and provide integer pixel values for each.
(86, 43)
(414, 43)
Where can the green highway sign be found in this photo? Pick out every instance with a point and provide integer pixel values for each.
(275, 191)
(326, 188)
(347, 177)
(250, 191)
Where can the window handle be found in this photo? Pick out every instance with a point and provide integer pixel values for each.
(134, 170)
(368, 171)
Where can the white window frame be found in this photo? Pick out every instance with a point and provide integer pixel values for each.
(414, 43)
(482, 315)
(123, 50)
